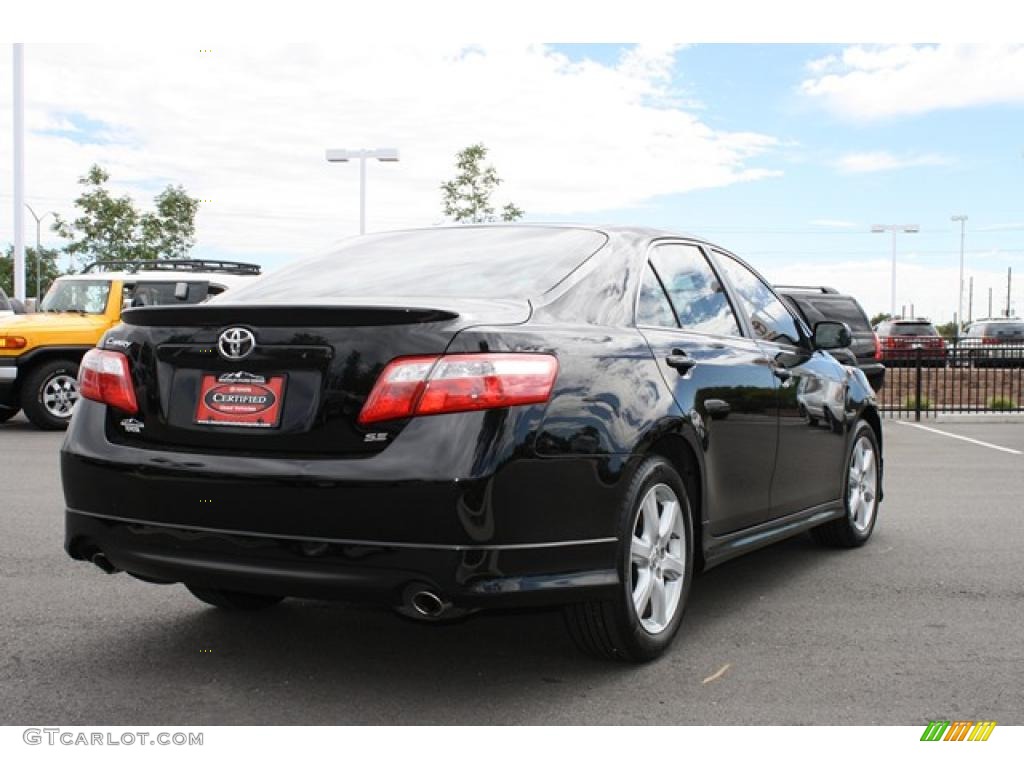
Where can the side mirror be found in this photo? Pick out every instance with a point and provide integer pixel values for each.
(832, 335)
(181, 291)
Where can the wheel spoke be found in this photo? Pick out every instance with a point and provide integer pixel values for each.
(659, 602)
(640, 551)
(650, 512)
(642, 590)
(672, 566)
(667, 522)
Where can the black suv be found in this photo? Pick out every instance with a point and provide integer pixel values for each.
(817, 303)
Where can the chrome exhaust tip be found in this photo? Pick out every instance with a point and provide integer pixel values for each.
(428, 604)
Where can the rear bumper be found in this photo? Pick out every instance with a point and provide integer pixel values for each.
(381, 572)
(509, 531)
(8, 379)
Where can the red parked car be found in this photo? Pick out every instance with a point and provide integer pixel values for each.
(900, 340)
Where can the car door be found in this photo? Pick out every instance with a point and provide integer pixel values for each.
(811, 395)
(718, 377)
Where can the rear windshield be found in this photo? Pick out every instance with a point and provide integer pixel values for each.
(844, 310)
(1012, 330)
(911, 329)
(479, 262)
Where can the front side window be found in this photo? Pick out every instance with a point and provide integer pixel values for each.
(88, 296)
(769, 317)
(698, 299)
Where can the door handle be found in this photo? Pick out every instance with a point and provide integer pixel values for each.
(681, 361)
(782, 374)
(717, 409)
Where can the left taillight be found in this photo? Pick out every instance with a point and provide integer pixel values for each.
(878, 348)
(422, 386)
(105, 376)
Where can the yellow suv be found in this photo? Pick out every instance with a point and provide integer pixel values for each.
(40, 352)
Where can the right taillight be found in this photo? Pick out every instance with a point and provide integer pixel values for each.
(422, 386)
(878, 348)
(105, 377)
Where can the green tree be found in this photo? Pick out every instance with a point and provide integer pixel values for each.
(110, 227)
(467, 197)
(48, 270)
(881, 317)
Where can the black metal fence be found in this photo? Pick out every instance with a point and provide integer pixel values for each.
(971, 376)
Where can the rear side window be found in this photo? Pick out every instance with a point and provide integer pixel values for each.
(842, 309)
(4, 303)
(155, 294)
(480, 262)
(652, 307)
(770, 318)
(698, 299)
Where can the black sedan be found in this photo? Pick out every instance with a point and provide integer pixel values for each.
(454, 419)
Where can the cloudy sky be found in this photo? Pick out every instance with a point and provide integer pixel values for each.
(786, 154)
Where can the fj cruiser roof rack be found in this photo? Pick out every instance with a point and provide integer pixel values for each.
(174, 265)
(812, 288)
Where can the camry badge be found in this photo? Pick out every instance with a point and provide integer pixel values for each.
(236, 343)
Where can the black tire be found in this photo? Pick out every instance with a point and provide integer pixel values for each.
(845, 532)
(611, 629)
(34, 392)
(6, 414)
(233, 601)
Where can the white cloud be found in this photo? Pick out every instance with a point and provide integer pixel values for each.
(869, 83)
(872, 162)
(247, 130)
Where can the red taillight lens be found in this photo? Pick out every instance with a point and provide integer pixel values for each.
(420, 386)
(990, 340)
(13, 342)
(878, 348)
(105, 377)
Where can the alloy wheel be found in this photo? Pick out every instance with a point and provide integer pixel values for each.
(657, 558)
(862, 484)
(60, 393)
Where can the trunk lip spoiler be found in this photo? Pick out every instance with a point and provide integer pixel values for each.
(284, 315)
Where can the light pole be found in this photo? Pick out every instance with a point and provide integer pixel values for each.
(39, 249)
(960, 303)
(19, 171)
(894, 228)
(387, 155)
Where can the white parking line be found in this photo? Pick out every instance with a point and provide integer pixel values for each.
(961, 437)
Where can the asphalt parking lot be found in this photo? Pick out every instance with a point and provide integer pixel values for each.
(923, 623)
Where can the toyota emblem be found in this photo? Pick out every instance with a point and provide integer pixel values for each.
(236, 343)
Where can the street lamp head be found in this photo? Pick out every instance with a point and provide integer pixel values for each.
(912, 228)
(878, 228)
(385, 155)
(958, 218)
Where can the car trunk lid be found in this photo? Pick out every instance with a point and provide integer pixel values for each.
(297, 388)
